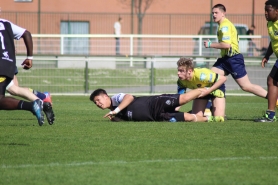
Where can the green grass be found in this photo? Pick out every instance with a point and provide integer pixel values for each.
(83, 148)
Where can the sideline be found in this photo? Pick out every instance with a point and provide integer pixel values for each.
(89, 163)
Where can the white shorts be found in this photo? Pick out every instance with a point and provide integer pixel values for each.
(10, 85)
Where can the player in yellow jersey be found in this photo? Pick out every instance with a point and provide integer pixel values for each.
(193, 78)
(271, 15)
(231, 61)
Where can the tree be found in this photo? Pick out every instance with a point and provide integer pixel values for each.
(140, 7)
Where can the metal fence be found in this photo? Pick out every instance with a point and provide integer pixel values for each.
(147, 75)
(161, 45)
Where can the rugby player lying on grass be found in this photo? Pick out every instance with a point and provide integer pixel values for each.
(126, 107)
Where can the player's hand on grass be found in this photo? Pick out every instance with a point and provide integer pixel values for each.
(110, 115)
(27, 64)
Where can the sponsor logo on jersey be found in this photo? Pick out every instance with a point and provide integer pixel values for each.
(6, 56)
(199, 85)
(210, 78)
(224, 29)
(275, 33)
(203, 76)
(226, 38)
(129, 115)
(168, 102)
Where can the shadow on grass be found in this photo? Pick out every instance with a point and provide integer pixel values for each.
(14, 144)
(240, 119)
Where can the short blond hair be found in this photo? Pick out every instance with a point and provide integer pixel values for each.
(186, 62)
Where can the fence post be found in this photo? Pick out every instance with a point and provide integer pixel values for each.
(152, 79)
(200, 45)
(62, 45)
(86, 78)
(131, 51)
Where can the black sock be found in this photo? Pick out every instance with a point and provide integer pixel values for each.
(24, 105)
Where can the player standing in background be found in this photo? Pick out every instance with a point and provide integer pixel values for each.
(271, 15)
(118, 32)
(7, 70)
(231, 61)
(125, 107)
(193, 78)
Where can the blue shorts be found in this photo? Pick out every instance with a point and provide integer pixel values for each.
(232, 65)
(276, 63)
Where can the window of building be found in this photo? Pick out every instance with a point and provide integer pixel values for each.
(75, 45)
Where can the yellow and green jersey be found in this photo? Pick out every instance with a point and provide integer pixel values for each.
(273, 34)
(202, 77)
(227, 33)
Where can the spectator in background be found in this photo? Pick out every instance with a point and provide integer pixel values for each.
(251, 44)
(118, 32)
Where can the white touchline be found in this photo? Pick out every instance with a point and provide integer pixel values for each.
(134, 162)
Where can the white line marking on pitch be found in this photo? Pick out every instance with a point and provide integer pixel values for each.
(134, 162)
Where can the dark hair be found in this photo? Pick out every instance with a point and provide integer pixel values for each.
(273, 3)
(97, 92)
(220, 6)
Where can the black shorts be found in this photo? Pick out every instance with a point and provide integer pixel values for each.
(4, 82)
(16, 70)
(274, 73)
(155, 108)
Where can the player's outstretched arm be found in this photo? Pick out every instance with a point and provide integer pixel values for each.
(221, 80)
(128, 98)
(191, 95)
(216, 45)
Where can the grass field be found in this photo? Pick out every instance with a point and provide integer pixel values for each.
(83, 148)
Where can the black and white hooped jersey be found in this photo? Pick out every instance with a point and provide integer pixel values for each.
(8, 32)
